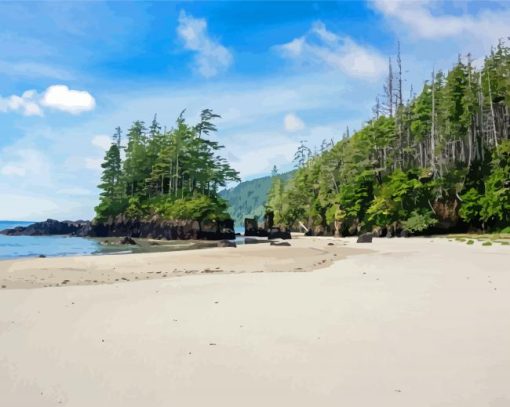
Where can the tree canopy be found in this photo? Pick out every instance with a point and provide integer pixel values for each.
(173, 173)
(439, 159)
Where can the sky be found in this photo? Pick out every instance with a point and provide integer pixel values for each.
(277, 73)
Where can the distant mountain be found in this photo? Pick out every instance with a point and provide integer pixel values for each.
(247, 199)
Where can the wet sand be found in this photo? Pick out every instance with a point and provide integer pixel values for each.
(302, 255)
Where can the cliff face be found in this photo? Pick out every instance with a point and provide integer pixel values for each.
(155, 228)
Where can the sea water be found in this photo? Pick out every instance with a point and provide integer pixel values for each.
(33, 246)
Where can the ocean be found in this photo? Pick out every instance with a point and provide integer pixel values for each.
(33, 246)
(12, 247)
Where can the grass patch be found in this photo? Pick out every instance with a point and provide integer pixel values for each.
(470, 241)
(487, 243)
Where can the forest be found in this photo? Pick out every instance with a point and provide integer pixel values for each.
(248, 199)
(434, 161)
(174, 174)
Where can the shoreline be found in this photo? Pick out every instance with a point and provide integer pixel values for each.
(303, 254)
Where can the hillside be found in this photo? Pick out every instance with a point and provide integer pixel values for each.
(438, 162)
(248, 198)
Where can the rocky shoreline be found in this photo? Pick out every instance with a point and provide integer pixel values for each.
(154, 228)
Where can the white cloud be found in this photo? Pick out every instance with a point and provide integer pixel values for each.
(293, 123)
(26, 103)
(320, 46)
(102, 141)
(211, 57)
(425, 19)
(60, 97)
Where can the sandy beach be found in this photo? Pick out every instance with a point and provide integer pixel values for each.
(399, 322)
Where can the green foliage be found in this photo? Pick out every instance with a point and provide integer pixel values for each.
(496, 200)
(471, 206)
(419, 221)
(248, 199)
(175, 173)
(443, 155)
(200, 207)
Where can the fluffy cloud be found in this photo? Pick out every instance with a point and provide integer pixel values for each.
(320, 46)
(58, 97)
(424, 19)
(102, 141)
(27, 104)
(211, 57)
(293, 123)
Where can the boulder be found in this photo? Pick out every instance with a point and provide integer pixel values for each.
(227, 243)
(277, 233)
(127, 240)
(251, 227)
(365, 238)
(404, 233)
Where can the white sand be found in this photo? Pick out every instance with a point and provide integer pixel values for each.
(417, 322)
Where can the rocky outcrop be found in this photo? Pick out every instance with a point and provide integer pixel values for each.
(156, 228)
(251, 227)
(127, 240)
(278, 233)
(365, 238)
(47, 228)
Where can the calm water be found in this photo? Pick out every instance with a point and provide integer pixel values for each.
(33, 246)
(30, 246)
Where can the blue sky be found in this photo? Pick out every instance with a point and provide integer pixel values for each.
(278, 73)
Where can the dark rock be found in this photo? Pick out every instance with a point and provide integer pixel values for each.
(365, 238)
(268, 220)
(277, 233)
(127, 240)
(46, 228)
(251, 227)
(42, 256)
(331, 244)
(279, 243)
(250, 240)
(121, 226)
(226, 243)
(404, 233)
